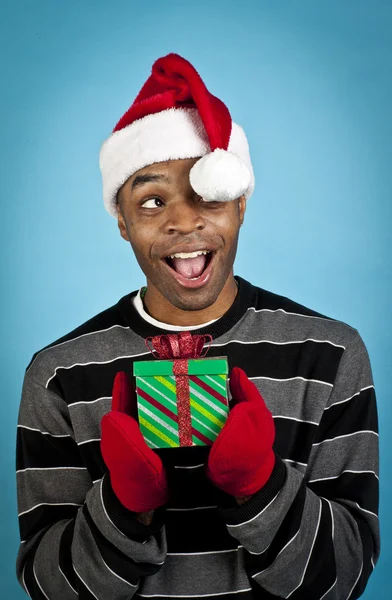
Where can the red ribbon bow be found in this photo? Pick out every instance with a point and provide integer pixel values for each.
(180, 347)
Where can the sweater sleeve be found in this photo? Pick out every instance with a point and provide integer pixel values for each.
(77, 540)
(316, 535)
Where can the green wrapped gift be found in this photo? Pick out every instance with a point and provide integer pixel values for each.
(181, 402)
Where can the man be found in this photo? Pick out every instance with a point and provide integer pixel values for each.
(284, 503)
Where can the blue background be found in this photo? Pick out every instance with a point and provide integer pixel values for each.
(311, 84)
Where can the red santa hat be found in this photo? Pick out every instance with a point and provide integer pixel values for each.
(175, 117)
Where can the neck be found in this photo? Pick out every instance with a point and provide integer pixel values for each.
(161, 309)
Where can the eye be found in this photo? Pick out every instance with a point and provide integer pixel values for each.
(212, 203)
(152, 203)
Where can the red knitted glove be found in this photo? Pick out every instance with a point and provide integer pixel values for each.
(241, 459)
(136, 472)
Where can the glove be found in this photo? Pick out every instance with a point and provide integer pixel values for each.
(136, 472)
(241, 458)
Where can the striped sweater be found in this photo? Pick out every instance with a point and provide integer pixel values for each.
(311, 532)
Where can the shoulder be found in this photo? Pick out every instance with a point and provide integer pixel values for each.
(83, 343)
(288, 319)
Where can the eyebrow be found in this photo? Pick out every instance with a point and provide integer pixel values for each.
(148, 178)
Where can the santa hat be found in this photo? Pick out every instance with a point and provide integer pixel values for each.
(175, 117)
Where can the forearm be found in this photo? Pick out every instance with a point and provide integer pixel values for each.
(301, 545)
(241, 500)
(102, 548)
(145, 518)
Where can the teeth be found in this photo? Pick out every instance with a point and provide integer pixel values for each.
(188, 254)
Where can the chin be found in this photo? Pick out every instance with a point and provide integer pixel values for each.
(193, 300)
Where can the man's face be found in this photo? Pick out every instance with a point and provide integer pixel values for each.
(184, 245)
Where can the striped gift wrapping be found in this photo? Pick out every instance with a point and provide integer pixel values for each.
(157, 400)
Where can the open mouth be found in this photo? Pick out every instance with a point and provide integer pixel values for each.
(191, 269)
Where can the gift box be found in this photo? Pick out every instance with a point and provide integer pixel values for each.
(181, 402)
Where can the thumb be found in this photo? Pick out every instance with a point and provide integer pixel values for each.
(242, 389)
(123, 395)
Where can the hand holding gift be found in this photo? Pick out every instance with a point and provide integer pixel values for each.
(241, 459)
(136, 472)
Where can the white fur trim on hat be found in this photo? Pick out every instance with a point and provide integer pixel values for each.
(176, 133)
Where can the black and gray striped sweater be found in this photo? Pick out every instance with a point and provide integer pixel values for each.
(310, 533)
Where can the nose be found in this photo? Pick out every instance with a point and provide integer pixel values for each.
(184, 217)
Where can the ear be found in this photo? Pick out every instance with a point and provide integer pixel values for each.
(121, 224)
(242, 208)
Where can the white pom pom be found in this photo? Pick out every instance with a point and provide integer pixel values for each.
(220, 175)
